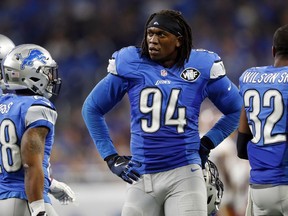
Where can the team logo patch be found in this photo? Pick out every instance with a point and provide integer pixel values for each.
(190, 74)
(34, 55)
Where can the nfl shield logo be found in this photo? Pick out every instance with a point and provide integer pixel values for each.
(163, 72)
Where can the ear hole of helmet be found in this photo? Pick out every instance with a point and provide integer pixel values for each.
(35, 79)
(209, 199)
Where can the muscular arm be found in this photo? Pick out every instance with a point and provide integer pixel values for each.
(32, 154)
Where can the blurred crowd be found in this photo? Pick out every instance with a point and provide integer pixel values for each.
(81, 35)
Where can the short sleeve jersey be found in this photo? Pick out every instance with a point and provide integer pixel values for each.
(265, 94)
(17, 114)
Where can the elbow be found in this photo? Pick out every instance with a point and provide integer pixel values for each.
(87, 110)
(84, 110)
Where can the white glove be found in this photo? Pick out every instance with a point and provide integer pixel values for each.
(37, 208)
(62, 192)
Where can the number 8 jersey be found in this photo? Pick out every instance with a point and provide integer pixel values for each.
(265, 94)
(17, 113)
(164, 105)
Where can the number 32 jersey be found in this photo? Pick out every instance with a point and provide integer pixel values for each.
(265, 94)
(164, 105)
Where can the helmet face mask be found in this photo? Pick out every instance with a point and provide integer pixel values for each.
(54, 83)
(214, 187)
(30, 66)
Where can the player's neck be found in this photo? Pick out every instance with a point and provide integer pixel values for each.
(280, 62)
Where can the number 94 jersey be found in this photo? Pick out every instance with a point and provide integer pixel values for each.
(265, 94)
(165, 104)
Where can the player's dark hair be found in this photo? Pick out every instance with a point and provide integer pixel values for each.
(185, 49)
(25, 92)
(280, 40)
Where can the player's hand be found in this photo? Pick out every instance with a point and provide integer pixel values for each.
(122, 166)
(62, 192)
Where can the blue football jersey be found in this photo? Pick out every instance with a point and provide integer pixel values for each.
(164, 104)
(18, 113)
(265, 94)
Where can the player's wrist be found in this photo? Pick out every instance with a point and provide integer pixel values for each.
(111, 160)
(108, 158)
(53, 183)
(207, 143)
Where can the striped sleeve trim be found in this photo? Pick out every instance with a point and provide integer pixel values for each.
(38, 112)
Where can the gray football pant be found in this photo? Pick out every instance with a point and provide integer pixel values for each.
(18, 207)
(268, 201)
(177, 192)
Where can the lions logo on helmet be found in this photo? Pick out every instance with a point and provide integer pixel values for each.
(33, 55)
(29, 66)
(214, 186)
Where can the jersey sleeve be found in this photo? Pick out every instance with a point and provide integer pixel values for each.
(106, 94)
(124, 62)
(225, 96)
(41, 113)
(217, 70)
(208, 63)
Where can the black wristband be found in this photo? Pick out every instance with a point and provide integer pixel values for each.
(242, 141)
(207, 143)
(110, 157)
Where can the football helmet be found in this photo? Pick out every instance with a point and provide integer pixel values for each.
(214, 187)
(29, 66)
(6, 45)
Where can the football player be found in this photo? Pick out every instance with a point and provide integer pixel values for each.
(27, 119)
(166, 81)
(59, 190)
(262, 136)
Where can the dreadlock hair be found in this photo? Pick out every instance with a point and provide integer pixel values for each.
(185, 49)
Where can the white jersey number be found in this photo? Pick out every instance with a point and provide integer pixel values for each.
(151, 101)
(271, 99)
(10, 151)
